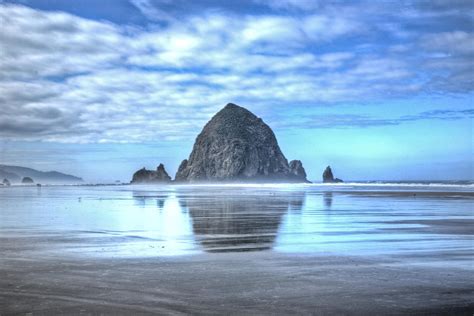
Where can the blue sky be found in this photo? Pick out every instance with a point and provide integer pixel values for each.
(376, 89)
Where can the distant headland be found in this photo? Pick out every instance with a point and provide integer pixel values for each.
(234, 146)
(16, 174)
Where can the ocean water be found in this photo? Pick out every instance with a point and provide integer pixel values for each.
(426, 223)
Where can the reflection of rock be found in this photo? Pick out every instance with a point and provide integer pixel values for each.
(142, 198)
(245, 222)
(328, 177)
(149, 176)
(27, 180)
(327, 199)
(236, 145)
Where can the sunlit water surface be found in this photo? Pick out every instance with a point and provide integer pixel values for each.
(143, 221)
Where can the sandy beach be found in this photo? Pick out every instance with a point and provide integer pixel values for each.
(233, 283)
(265, 251)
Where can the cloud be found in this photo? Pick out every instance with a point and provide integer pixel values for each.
(450, 58)
(365, 121)
(292, 5)
(154, 10)
(64, 78)
(37, 44)
(456, 42)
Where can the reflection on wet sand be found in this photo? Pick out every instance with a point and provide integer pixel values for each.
(146, 250)
(239, 222)
(141, 198)
(327, 200)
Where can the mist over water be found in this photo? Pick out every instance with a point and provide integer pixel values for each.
(147, 221)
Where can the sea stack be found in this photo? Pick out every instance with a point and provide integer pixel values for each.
(237, 146)
(149, 176)
(27, 180)
(328, 177)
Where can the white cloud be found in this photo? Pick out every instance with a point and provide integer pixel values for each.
(69, 79)
(153, 12)
(456, 42)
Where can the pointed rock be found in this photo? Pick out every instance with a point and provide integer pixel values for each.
(296, 169)
(328, 177)
(235, 145)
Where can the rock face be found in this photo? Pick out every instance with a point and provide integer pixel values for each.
(237, 146)
(328, 177)
(149, 176)
(27, 180)
(296, 169)
(6, 182)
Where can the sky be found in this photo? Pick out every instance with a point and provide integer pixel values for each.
(379, 90)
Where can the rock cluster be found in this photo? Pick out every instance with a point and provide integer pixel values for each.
(237, 146)
(328, 177)
(149, 176)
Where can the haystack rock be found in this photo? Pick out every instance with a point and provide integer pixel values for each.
(149, 176)
(237, 146)
(328, 177)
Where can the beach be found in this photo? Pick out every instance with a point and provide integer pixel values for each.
(352, 249)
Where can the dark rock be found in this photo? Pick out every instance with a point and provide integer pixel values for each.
(149, 176)
(6, 182)
(235, 145)
(328, 177)
(27, 180)
(296, 169)
(181, 174)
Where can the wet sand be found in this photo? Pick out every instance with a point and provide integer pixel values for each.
(121, 251)
(252, 283)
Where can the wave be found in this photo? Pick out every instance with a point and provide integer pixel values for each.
(466, 184)
(447, 184)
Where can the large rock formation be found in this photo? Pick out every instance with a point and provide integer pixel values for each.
(149, 176)
(328, 177)
(235, 145)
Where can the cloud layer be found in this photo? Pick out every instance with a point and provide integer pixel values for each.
(66, 78)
